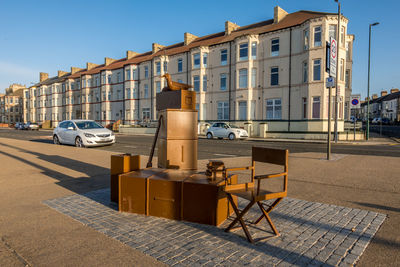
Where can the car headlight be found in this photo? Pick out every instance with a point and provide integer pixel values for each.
(89, 135)
(112, 133)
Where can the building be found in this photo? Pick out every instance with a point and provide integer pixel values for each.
(11, 108)
(269, 75)
(385, 106)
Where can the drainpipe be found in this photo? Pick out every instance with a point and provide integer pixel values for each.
(230, 80)
(187, 67)
(290, 75)
(123, 95)
(151, 90)
(138, 102)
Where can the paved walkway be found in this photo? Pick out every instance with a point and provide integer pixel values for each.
(311, 233)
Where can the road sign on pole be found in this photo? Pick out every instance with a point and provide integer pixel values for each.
(330, 82)
(355, 101)
(333, 58)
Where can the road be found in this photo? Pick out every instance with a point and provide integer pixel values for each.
(215, 148)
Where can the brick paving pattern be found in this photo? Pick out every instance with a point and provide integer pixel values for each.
(312, 233)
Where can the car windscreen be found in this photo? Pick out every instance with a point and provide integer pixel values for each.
(233, 126)
(88, 125)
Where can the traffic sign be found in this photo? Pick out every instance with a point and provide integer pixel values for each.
(330, 82)
(355, 101)
(333, 58)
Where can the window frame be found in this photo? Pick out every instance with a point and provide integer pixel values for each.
(274, 47)
(272, 75)
(243, 51)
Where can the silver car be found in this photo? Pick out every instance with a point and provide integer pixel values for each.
(225, 130)
(82, 133)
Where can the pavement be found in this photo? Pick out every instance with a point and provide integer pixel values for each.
(39, 182)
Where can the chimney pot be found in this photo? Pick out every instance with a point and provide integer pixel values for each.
(394, 90)
(43, 76)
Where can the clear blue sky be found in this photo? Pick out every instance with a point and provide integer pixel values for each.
(55, 35)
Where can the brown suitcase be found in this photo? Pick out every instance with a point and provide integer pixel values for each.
(178, 124)
(121, 163)
(204, 201)
(177, 154)
(181, 99)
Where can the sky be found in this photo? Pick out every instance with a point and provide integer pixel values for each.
(47, 36)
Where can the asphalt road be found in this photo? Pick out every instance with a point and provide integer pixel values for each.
(208, 149)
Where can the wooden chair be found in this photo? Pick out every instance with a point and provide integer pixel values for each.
(254, 194)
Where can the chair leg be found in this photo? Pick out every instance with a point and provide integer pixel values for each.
(265, 214)
(239, 218)
(268, 210)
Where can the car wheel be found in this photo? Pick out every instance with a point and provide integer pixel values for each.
(56, 141)
(78, 142)
(209, 136)
(231, 136)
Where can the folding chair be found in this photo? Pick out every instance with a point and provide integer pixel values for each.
(255, 194)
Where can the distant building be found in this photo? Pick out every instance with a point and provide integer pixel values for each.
(270, 72)
(385, 106)
(11, 108)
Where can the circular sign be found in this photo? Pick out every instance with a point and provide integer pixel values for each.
(354, 102)
(333, 48)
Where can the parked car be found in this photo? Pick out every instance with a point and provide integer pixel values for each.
(19, 126)
(82, 133)
(226, 130)
(376, 120)
(31, 126)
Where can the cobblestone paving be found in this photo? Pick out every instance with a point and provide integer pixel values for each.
(311, 233)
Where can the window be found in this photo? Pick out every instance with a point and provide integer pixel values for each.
(198, 110)
(254, 50)
(158, 87)
(252, 110)
(348, 50)
(317, 70)
(342, 31)
(223, 82)
(253, 77)
(205, 59)
(165, 66)
(135, 93)
(274, 109)
(243, 78)
(347, 79)
(244, 51)
(103, 79)
(305, 72)
(224, 57)
(275, 47)
(332, 31)
(204, 111)
(146, 71)
(128, 93)
(146, 91)
(180, 65)
(304, 113)
(196, 83)
(316, 107)
(274, 76)
(179, 80)
(223, 110)
(204, 83)
(118, 77)
(127, 74)
(145, 113)
(109, 78)
(317, 36)
(158, 68)
(342, 69)
(196, 61)
(242, 110)
(134, 76)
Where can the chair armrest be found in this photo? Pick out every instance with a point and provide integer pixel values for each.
(272, 175)
(239, 169)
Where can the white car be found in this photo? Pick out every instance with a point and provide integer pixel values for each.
(225, 130)
(82, 133)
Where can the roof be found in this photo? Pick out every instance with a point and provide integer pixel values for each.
(290, 20)
(383, 98)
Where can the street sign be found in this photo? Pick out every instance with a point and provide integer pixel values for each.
(333, 58)
(355, 101)
(330, 82)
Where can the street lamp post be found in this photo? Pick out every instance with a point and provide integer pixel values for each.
(337, 72)
(369, 67)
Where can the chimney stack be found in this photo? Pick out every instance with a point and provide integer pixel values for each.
(90, 66)
(189, 38)
(131, 54)
(61, 73)
(75, 70)
(108, 61)
(230, 27)
(43, 76)
(383, 93)
(279, 14)
(156, 47)
(374, 96)
(394, 90)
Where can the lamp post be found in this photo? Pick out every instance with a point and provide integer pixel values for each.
(369, 67)
(337, 72)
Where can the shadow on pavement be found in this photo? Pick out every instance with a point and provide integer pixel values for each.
(97, 177)
(376, 206)
(46, 141)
